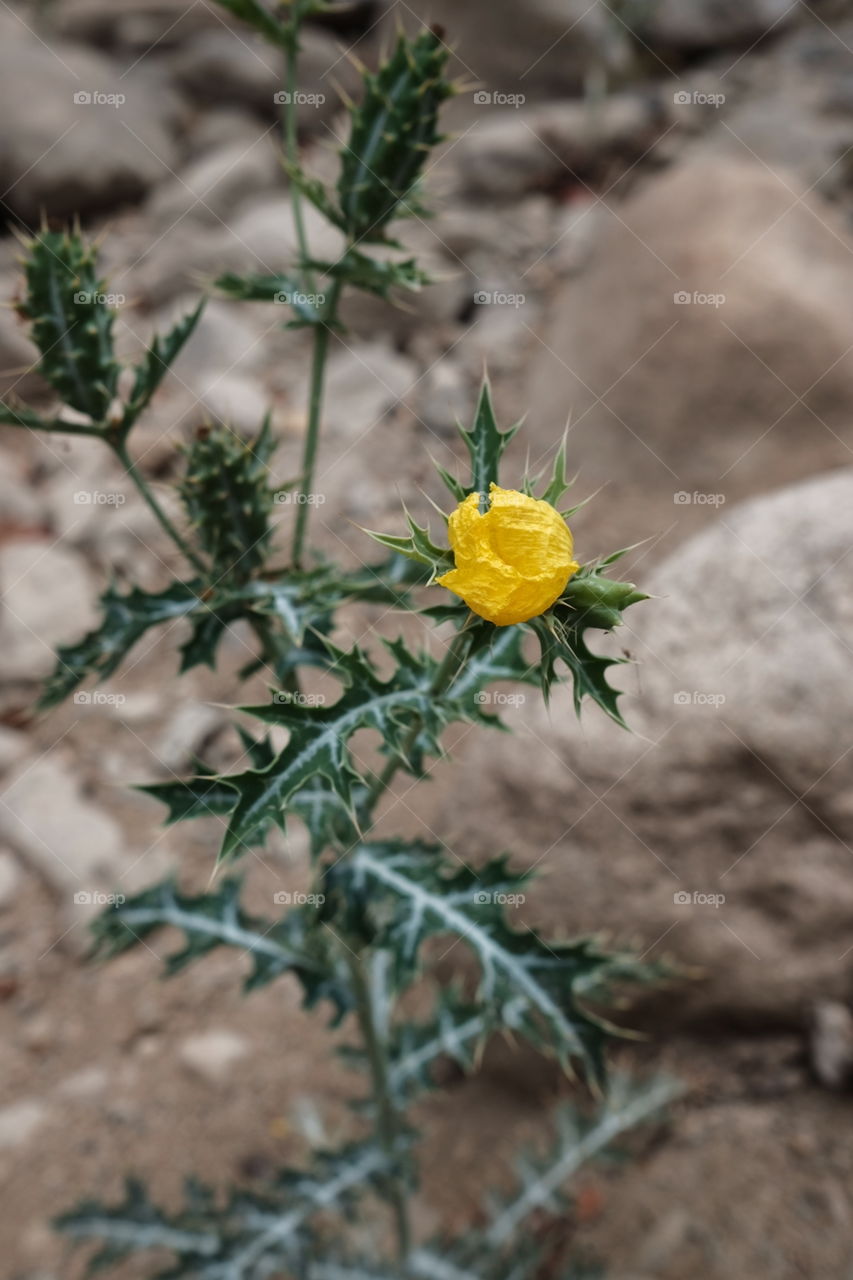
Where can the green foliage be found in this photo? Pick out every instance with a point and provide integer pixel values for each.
(398, 895)
(72, 325)
(366, 936)
(392, 131)
(292, 944)
(228, 499)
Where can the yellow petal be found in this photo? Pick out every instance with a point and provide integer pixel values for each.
(512, 561)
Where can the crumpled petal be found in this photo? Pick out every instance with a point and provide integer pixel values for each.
(512, 561)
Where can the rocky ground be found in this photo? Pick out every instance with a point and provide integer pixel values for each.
(648, 231)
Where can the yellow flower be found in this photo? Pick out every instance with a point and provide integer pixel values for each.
(513, 561)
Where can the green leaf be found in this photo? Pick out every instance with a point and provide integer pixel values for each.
(278, 288)
(317, 747)
(228, 499)
(591, 600)
(372, 275)
(407, 893)
(292, 944)
(486, 443)
(157, 361)
(126, 618)
(252, 1236)
(393, 128)
(71, 322)
(417, 546)
(258, 16)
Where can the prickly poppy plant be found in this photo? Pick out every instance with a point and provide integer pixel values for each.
(501, 573)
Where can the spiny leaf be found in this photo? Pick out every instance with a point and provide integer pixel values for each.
(279, 288)
(158, 359)
(372, 275)
(591, 600)
(408, 893)
(71, 322)
(417, 546)
(253, 1236)
(292, 944)
(392, 130)
(125, 619)
(258, 16)
(228, 499)
(486, 443)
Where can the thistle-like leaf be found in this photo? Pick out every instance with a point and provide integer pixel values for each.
(318, 742)
(292, 944)
(392, 130)
(408, 893)
(486, 443)
(261, 18)
(591, 601)
(71, 322)
(372, 275)
(228, 499)
(278, 288)
(125, 620)
(418, 546)
(253, 1236)
(155, 364)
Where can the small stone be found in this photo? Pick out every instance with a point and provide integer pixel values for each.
(47, 600)
(186, 733)
(212, 1054)
(71, 842)
(19, 1122)
(831, 1044)
(90, 1082)
(13, 747)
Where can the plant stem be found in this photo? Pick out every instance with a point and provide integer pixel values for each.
(290, 123)
(180, 542)
(322, 333)
(387, 1116)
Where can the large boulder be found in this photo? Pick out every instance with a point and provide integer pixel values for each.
(88, 134)
(720, 830)
(704, 352)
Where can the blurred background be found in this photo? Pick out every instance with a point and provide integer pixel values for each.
(642, 226)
